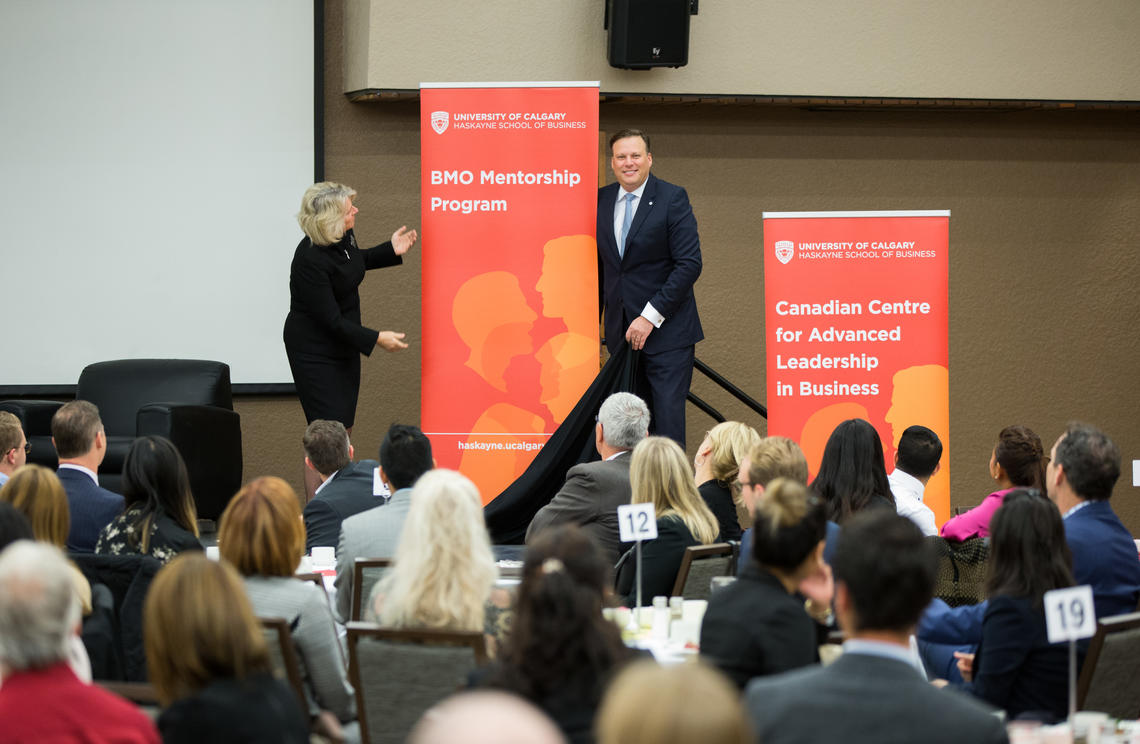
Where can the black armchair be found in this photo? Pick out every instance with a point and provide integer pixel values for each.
(187, 401)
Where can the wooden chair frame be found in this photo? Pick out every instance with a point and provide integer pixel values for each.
(699, 552)
(359, 630)
(1104, 627)
(288, 656)
(355, 613)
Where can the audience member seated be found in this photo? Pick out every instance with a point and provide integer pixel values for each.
(758, 625)
(660, 475)
(160, 519)
(41, 698)
(594, 490)
(1016, 668)
(81, 444)
(208, 661)
(873, 693)
(444, 570)
(680, 704)
(405, 455)
(1083, 468)
(916, 461)
(37, 493)
(772, 458)
(716, 464)
(561, 652)
(262, 536)
(485, 717)
(14, 446)
(852, 475)
(1017, 461)
(346, 487)
(13, 525)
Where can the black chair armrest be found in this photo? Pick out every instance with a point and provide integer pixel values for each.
(209, 440)
(35, 418)
(34, 415)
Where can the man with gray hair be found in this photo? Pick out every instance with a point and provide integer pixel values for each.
(41, 698)
(594, 490)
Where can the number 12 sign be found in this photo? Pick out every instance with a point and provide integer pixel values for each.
(637, 522)
(1069, 614)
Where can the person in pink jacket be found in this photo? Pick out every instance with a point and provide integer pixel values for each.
(1018, 460)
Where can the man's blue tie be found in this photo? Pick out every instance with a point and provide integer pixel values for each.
(626, 222)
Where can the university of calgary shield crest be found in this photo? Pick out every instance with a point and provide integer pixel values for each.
(439, 121)
(785, 249)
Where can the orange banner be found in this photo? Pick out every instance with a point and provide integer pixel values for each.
(510, 283)
(857, 326)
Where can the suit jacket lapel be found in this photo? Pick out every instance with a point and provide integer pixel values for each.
(643, 209)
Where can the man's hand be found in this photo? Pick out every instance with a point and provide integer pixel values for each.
(819, 587)
(390, 341)
(965, 665)
(637, 332)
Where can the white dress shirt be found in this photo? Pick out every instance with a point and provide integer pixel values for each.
(908, 492)
(649, 313)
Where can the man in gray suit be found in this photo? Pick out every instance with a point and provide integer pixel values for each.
(405, 455)
(594, 490)
(346, 488)
(874, 692)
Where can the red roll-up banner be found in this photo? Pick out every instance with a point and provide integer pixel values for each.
(856, 312)
(509, 177)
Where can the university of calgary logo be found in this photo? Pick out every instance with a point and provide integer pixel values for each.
(785, 249)
(439, 121)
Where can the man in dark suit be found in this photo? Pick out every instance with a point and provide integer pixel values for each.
(81, 444)
(594, 490)
(649, 255)
(1083, 468)
(346, 487)
(873, 693)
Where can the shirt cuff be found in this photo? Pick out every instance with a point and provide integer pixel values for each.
(650, 313)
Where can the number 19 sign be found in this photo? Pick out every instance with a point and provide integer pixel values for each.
(1069, 614)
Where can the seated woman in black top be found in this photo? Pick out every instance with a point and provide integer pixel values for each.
(1015, 667)
(852, 474)
(659, 473)
(561, 652)
(159, 519)
(717, 464)
(758, 625)
(208, 661)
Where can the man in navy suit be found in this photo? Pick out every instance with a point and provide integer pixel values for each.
(649, 255)
(346, 488)
(81, 444)
(1083, 468)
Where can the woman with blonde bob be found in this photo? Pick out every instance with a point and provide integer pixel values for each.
(208, 662)
(261, 535)
(653, 704)
(717, 464)
(37, 493)
(443, 570)
(659, 474)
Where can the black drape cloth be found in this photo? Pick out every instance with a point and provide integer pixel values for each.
(509, 513)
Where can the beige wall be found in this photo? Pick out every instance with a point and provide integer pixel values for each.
(1043, 270)
(1021, 49)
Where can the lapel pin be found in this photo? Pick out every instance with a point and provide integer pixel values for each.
(651, 204)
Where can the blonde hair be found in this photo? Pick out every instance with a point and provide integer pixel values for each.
(443, 569)
(776, 457)
(322, 211)
(37, 493)
(199, 626)
(261, 532)
(659, 473)
(653, 704)
(731, 442)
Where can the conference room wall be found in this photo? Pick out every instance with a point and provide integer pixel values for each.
(1022, 49)
(1043, 262)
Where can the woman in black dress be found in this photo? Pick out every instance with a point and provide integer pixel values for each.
(323, 335)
